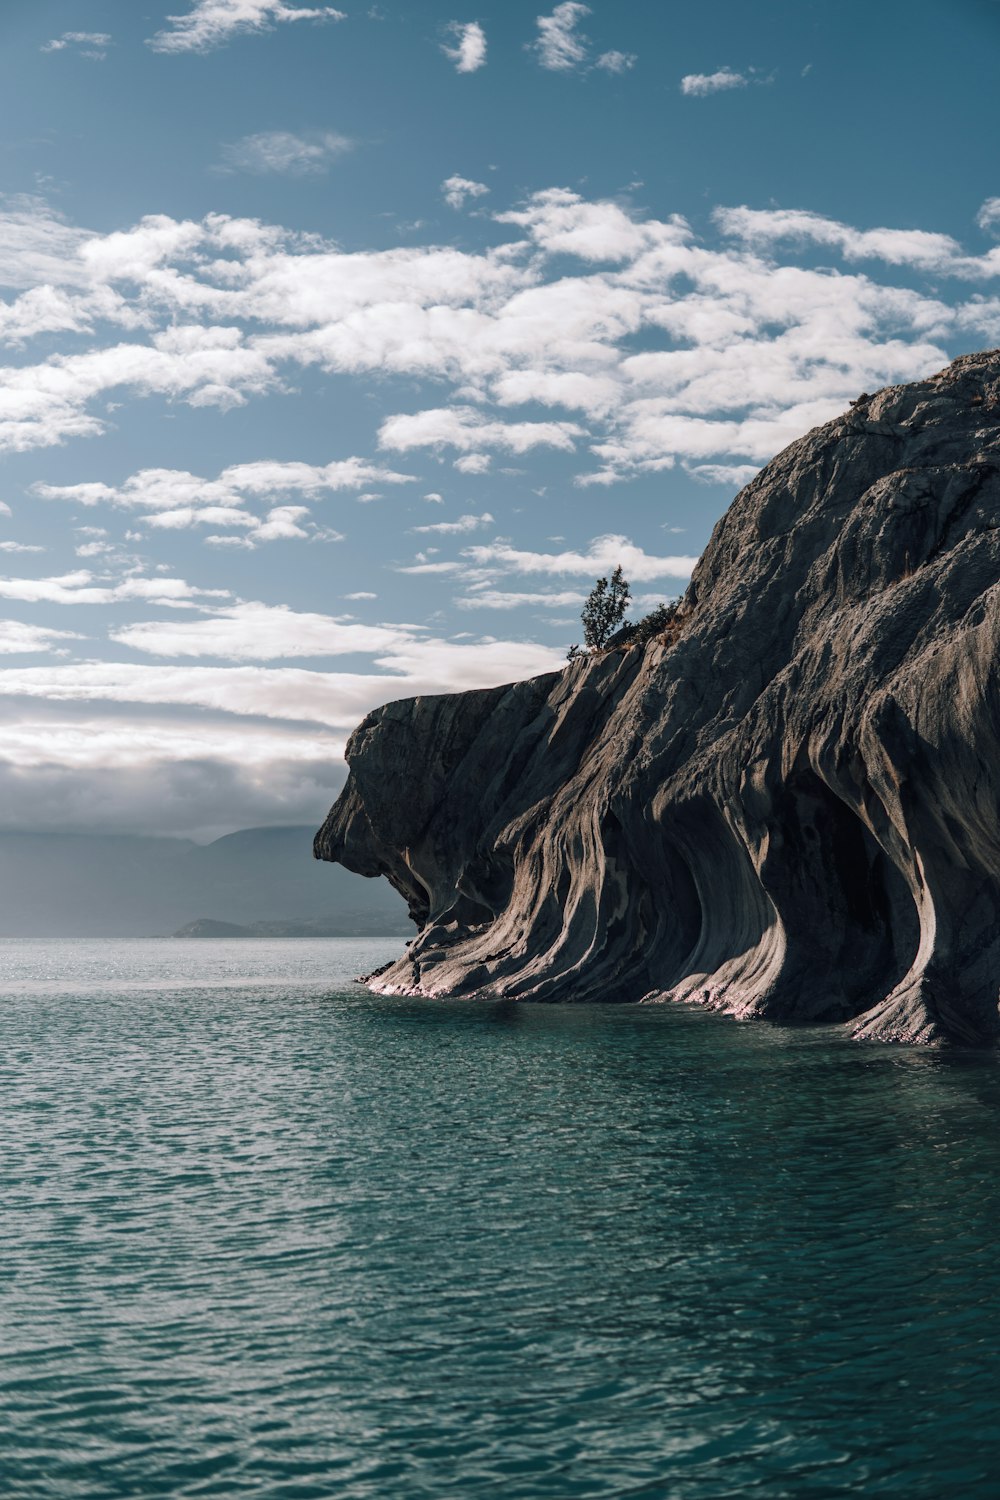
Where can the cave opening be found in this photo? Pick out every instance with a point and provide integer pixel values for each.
(847, 910)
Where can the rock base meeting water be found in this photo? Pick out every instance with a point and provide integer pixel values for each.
(803, 782)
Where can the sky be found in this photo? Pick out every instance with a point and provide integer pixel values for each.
(345, 346)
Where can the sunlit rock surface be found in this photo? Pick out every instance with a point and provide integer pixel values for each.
(792, 812)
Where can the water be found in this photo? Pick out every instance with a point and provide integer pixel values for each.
(265, 1234)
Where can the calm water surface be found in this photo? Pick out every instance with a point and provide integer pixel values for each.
(265, 1234)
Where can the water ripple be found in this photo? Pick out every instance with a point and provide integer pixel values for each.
(263, 1234)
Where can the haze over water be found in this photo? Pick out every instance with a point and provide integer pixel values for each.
(265, 1233)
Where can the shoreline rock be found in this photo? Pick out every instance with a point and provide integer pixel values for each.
(790, 811)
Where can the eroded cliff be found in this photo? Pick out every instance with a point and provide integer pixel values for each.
(793, 811)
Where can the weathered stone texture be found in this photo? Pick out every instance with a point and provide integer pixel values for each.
(792, 812)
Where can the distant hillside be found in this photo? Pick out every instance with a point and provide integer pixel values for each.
(208, 927)
(115, 885)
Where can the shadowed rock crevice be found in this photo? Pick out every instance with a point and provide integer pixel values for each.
(789, 811)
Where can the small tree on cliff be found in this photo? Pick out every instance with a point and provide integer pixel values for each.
(605, 609)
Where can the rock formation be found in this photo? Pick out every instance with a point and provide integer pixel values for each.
(791, 811)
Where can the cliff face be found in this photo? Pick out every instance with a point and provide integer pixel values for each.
(792, 812)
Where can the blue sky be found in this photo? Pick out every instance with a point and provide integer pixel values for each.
(344, 346)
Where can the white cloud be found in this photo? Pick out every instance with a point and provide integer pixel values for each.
(560, 222)
(489, 598)
(82, 587)
(280, 523)
(988, 216)
(594, 394)
(559, 45)
(89, 44)
(119, 743)
(731, 475)
(899, 247)
(464, 524)
(38, 249)
(5, 509)
(16, 637)
(361, 594)
(422, 566)
(337, 700)
(697, 85)
(260, 632)
(606, 553)
(433, 497)
(469, 52)
(280, 151)
(465, 428)
(456, 189)
(741, 347)
(212, 23)
(176, 499)
(616, 62)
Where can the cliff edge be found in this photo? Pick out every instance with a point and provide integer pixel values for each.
(792, 811)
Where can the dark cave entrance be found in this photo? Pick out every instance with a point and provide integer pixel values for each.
(847, 911)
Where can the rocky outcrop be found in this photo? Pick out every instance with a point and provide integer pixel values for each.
(791, 811)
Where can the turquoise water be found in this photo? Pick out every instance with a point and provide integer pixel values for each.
(265, 1234)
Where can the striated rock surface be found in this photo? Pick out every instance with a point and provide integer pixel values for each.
(793, 811)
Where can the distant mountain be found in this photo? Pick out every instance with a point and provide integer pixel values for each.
(116, 885)
(208, 927)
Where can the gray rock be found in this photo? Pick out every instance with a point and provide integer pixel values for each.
(791, 812)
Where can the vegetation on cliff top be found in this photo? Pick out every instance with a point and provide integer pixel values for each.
(604, 624)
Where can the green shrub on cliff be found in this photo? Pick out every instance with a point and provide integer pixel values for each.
(603, 614)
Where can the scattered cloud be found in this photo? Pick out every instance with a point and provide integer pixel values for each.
(605, 553)
(988, 216)
(434, 498)
(89, 44)
(920, 248)
(280, 151)
(282, 523)
(616, 62)
(464, 428)
(38, 250)
(456, 189)
(174, 499)
(490, 598)
(731, 475)
(298, 695)
(457, 528)
(698, 85)
(260, 632)
(212, 23)
(19, 547)
(469, 50)
(665, 345)
(559, 45)
(16, 637)
(83, 587)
